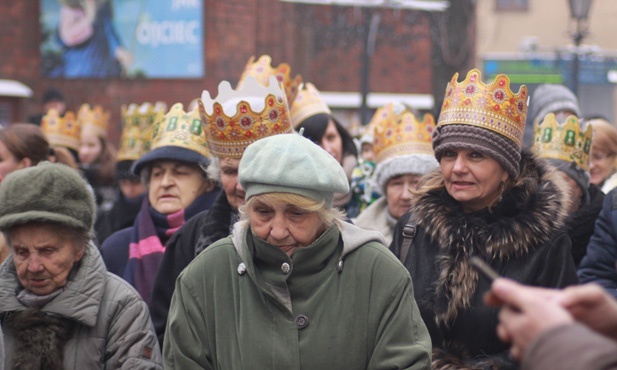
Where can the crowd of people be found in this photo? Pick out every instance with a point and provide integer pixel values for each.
(252, 230)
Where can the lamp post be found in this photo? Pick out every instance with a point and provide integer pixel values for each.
(579, 12)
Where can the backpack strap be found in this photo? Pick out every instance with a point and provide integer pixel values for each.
(409, 233)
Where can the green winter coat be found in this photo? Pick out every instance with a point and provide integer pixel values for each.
(343, 302)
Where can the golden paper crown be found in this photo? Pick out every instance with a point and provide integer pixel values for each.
(493, 107)
(137, 125)
(567, 142)
(262, 70)
(182, 129)
(61, 131)
(308, 103)
(397, 131)
(95, 119)
(237, 118)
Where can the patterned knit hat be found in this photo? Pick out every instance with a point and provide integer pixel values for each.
(487, 118)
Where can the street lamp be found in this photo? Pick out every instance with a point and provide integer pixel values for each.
(579, 12)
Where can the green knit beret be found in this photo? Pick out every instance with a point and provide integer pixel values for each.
(290, 163)
(49, 193)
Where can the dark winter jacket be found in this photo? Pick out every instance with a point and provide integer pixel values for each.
(522, 239)
(193, 237)
(580, 225)
(598, 265)
(98, 320)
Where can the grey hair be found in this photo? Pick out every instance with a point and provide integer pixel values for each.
(214, 169)
(81, 238)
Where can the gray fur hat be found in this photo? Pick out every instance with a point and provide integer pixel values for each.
(49, 193)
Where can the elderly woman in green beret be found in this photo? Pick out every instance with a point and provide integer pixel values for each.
(60, 308)
(294, 286)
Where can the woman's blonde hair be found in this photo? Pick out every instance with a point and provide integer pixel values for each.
(604, 136)
(327, 216)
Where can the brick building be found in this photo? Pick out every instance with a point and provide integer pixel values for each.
(323, 43)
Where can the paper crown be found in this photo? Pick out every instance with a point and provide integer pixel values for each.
(237, 118)
(308, 103)
(181, 129)
(397, 131)
(138, 122)
(493, 107)
(93, 119)
(61, 131)
(567, 142)
(262, 70)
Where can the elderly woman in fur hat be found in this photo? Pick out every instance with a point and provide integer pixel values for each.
(294, 285)
(60, 308)
(490, 200)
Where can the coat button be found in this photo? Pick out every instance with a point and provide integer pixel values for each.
(302, 321)
(241, 268)
(285, 268)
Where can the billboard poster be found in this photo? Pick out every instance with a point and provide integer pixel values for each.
(122, 38)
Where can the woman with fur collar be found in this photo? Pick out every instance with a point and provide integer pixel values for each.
(488, 200)
(60, 308)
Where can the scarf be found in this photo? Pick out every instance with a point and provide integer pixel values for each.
(150, 233)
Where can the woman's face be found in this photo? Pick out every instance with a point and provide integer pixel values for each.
(472, 178)
(284, 225)
(8, 162)
(131, 188)
(601, 166)
(332, 142)
(398, 197)
(90, 148)
(229, 180)
(43, 257)
(174, 185)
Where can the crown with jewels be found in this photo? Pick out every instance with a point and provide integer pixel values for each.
(61, 131)
(93, 119)
(397, 131)
(490, 106)
(308, 103)
(237, 118)
(564, 141)
(262, 70)
(182, 129)
(137, 124)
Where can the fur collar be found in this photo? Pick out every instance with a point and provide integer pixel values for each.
(528, 215)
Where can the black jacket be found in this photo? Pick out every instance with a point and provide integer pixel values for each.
(193, 237)
(522, 238)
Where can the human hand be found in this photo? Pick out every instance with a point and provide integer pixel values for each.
(526, 313)
(591, 305)
(124, 56)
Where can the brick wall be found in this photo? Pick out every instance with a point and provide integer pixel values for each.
(323, 43)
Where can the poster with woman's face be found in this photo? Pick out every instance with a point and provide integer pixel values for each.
(122, 38)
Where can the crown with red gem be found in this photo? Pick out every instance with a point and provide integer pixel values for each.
(181, 129)
(397, 131)
(308, 103)
(237, 118)
(490, 106)
(63, 131)
(94, 119)
(566, 141)
(262, 70)
(137, 124)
